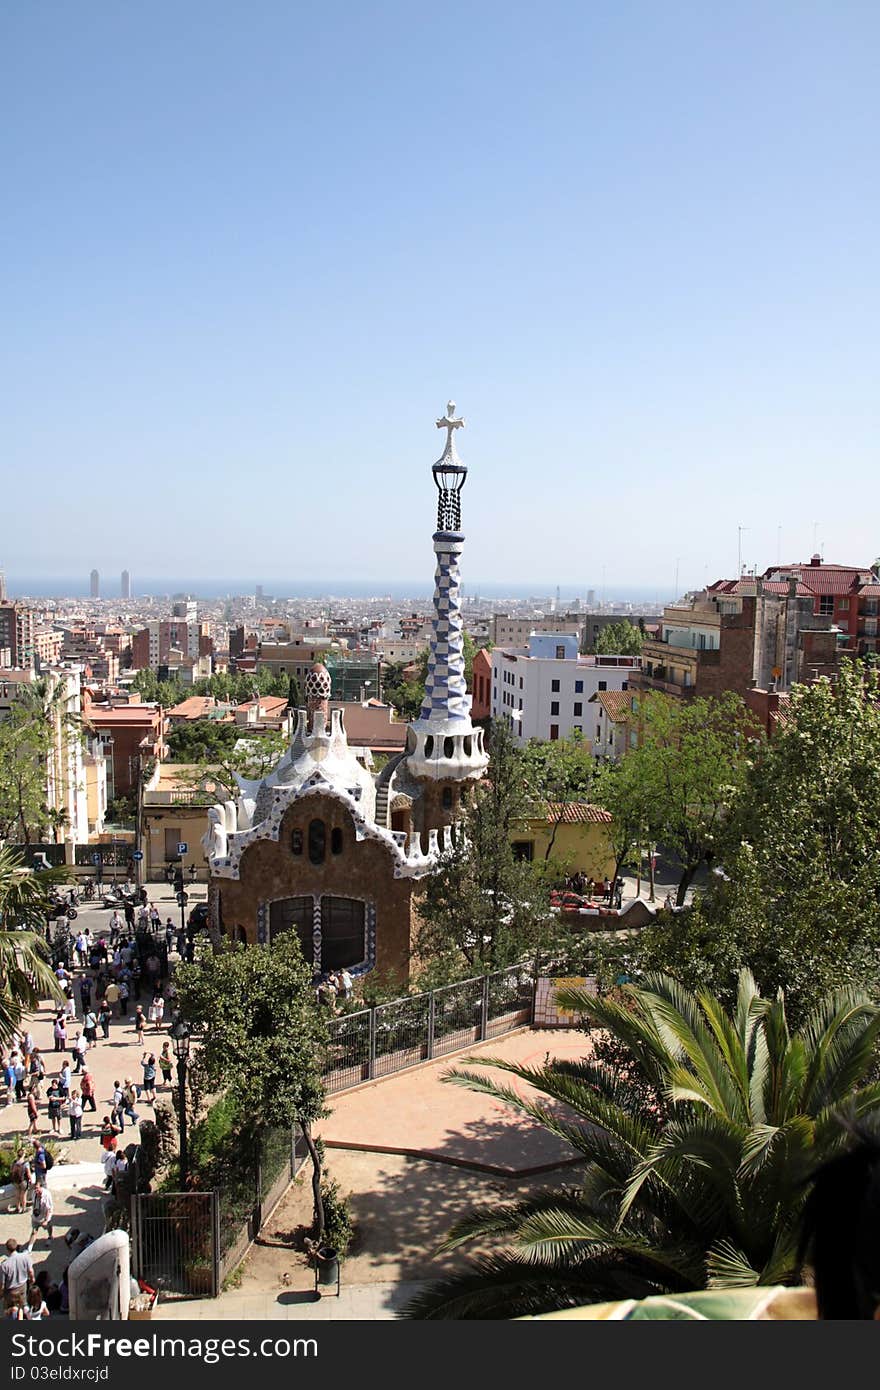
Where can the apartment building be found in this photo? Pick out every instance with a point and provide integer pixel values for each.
(543, 690)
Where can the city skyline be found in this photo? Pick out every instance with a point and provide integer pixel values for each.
(251, 300)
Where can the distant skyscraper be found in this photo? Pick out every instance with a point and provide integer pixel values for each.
(259, 591)
(125, 584)
(2, 586)
(95, 584)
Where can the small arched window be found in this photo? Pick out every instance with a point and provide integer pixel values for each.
(296, 842)
(447, 798)
(448, 747)
(336, 840)
(429, 745)
(468, 745)
(317, 841)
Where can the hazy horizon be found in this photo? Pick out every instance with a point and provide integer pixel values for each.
(164, 587)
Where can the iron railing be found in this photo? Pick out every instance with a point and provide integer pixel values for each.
(377, 1042)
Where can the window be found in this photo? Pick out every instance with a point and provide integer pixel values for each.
(554, 706)
(598, 734)
(603, 685)
(317, 841)
(577, 728)
(578, 687)
(554, 731)
(523, 850)
(578, 708)
(295, 914)
(842, 605)
(343, 936)
(336, 840)
(826, 606)
(560, 653)
(296, 842)
(448, 747)
(447, 798)
(520, 682)
(554, 686)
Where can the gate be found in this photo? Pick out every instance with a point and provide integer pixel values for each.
(175, 1242)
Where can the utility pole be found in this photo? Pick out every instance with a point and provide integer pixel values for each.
(739, 550)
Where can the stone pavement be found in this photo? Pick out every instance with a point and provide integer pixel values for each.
(416, 1112)
(359, 1302)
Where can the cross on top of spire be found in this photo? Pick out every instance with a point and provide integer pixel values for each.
(450, 423)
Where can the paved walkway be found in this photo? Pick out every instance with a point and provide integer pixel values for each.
(77, 1179)
(418, 1113)
(360, 1302)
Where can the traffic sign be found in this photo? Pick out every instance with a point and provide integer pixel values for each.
(96, 858)
(183, 898)
(137, 855)
(183, 847)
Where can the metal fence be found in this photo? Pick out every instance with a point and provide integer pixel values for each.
(185, 1243)
(175, 1242)
(391, 1037)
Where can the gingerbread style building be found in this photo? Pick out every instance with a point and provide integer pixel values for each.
(321, 848)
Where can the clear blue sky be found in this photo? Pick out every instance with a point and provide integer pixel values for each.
(249, 250)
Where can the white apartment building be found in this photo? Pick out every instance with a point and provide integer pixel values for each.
(542, 690)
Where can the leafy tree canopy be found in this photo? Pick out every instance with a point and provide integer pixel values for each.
(619, 639)
(799, 899)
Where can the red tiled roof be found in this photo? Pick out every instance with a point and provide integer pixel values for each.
(616, 704)
(577, 813)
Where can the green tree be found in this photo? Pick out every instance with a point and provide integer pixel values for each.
(557, 773)
(702, 1183)
(623, 790)
(261, 1041)
(484, 909)
(799, 899)
(25, 973)
(692, 758)
(619, 639)
(35, 737)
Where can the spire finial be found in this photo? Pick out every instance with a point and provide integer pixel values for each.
(450, 423)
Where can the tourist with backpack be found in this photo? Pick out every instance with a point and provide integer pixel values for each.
(20, 1177)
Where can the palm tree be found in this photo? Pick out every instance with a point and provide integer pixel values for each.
(702, 1186)
(25, 974)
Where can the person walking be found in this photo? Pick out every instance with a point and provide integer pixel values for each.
(42, 1211)
(123, 998)
(39, 1162)
(131, 1096)
(80, 1048)
(75, 1115)
(140, 1023)
(157, 1011)
(33, 1113)
(155, 918)
(85, 993)
(90, 1027)
(105, 1013)
(165, 1063)
(69, 1002)
(87, 1091)
(64, 1077)
(111, 994)
(54, 1098)
(20, 1076)
(16, 1273)
(118, 1106)
(115, 927)
(109, 1132)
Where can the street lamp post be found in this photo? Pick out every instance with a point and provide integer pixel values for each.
(180, 1039)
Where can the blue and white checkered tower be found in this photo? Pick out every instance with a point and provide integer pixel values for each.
(443, 744)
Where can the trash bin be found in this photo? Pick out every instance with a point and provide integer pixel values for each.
(327, 1267)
